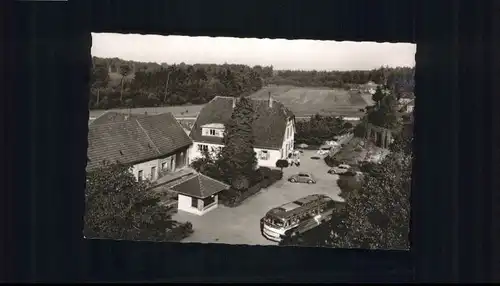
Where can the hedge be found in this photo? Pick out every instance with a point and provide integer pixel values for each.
(179, 232)
(233, 198)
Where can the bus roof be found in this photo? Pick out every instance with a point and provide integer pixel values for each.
(295, 207)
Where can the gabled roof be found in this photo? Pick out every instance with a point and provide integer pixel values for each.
(114, 116)
(269, 127)
(199, 186)
(135, 140)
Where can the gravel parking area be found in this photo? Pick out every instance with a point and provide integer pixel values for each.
(240, 225)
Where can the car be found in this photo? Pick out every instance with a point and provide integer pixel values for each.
(324, 150)
(340, 169)
(302, 178)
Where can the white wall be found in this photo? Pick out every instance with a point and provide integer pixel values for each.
(194, 153)
(146, 166)
(289, 139)
(273, 155)
(168, 161)
(146, 169)
(184, 204)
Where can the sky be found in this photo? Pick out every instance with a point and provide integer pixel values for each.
(280, 53)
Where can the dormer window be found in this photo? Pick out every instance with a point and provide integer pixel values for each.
(213, 129)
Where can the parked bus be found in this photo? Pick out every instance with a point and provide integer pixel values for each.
(297, 217)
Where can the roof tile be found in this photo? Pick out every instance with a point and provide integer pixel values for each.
(269, 127)
(134, 140)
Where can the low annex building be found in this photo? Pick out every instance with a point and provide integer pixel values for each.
(196, 193)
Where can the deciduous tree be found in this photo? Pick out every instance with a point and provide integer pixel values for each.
(125, 70)
(376, 216)
(119, 207)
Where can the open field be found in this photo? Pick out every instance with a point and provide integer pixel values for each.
(303, 102)
(309, 101)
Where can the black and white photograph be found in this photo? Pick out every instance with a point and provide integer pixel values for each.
(248, 141)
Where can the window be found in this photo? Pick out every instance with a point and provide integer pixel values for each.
(194, 202)
(139, 175)
(264, 155)
(163, 165)
(202, 147)
(208, 201)
(153, 173)
(212, 132)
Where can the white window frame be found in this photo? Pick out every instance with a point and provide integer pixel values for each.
(264, 155)
(202, 147)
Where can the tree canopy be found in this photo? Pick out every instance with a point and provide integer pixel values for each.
(119, 207)
(139, 84)
(376, 215)
(319, 129)
(385, 111)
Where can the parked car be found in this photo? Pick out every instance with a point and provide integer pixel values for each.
(302, 178)
(324, 150)
(340, 169)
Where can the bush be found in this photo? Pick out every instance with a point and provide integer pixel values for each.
(343, 183)
(265, 172)
(348, 183)
(276, 174)
(233, 198)
(331, 162)
(179, 231)
(359, 130)
(240, 183)
(282, 164)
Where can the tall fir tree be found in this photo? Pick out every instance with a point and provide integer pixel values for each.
(237, 158)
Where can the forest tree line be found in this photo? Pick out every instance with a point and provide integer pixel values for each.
(117, 83)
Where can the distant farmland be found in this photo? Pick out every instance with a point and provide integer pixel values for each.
(308, 101)
(301, 101)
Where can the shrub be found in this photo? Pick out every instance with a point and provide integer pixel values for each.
(342, 183)
(234, 197)
(265, 172)
(179, 231)
(349, 183)
(276, 174)
(331, 162)
(367, 167)
(359, 130)
(282, 164)
(240, 183)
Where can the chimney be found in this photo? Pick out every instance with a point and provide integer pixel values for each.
(234, 102)
(270, 100)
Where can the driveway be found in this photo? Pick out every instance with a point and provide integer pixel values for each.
(240, 225)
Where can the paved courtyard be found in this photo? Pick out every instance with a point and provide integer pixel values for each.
(240, 225)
